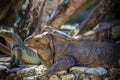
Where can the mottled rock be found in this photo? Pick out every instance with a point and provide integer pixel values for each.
(95, 78)
(77, 76)
(61, 72)
(12, 76)
(54, 77)
(5, 59)
(74, 73)
(3, 70)
(30, 78)
(3, 67)
(40, 70)
(68, 77)
(86, 78)
(26, 72)
(43, 78)
(4, 63)
(83, 76)
(107, 78)
(114, 73)
(98, 71)
(77, 69)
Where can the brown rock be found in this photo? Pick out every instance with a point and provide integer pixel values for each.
(68, 77)
(54, 77)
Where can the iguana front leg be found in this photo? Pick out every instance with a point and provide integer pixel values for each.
(63, 64)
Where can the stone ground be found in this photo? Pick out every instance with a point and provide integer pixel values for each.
(36, 72)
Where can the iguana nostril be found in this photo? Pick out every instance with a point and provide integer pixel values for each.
(25, 40)
(28, 39)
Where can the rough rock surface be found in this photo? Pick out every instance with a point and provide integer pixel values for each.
(36, 72)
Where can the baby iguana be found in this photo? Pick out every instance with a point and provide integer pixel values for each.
(60, 53)
(19, 50)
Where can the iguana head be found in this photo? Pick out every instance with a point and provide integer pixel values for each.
(42, 44)
(7, 35)
(37, 41)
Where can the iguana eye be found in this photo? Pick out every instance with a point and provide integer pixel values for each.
(37, 40)
(6, 33)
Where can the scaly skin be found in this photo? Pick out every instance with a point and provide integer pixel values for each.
(19, 50)
(60, 53)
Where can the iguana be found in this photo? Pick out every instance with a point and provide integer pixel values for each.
(19, 50)
(60, 53)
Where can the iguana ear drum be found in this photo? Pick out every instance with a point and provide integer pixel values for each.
(44, 41)
(51, 46)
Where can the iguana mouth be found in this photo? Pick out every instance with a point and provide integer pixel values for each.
(34, 47)
(30, 46)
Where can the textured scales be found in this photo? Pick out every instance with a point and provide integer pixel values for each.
(60, 53)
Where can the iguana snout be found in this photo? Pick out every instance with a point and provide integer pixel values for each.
(4, 33)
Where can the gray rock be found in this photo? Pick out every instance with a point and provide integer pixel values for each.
(54, 77)
(107, 78)
(26, 72)
(40, 70)
(82, 76)
(77, 69)
(68, 77)
(31, 78)
(4, 63)
(80, 70)
(61, 72)
(115, 73)
(97, 70)
(77, 76)
(5, 59)
(86, 78)
(2, 67)
(43, 78)
(95, 78)
(3, 73)
(75, 73)
(12, 76)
